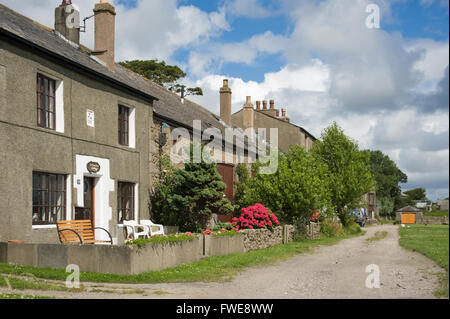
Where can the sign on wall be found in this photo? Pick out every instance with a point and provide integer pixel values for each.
(90, 118)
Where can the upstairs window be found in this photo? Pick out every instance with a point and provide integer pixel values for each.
(46, 102)
(124, 125)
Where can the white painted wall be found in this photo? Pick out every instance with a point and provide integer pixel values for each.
(59, 97)
(103, 186)
(132, 128)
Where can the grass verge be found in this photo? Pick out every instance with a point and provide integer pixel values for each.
(220, 268)
(436, 213)
(33, 283)
(433, 242)
(379, 235)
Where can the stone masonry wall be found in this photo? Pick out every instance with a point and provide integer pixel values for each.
(435, 220)
(263, 238)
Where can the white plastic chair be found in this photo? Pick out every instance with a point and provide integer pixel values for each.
(133, 229)
(150, 225)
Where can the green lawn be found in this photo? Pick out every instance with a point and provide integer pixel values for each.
(219, 268)
(433, 242)
(436, 213)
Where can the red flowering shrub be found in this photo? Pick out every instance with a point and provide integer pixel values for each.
(207, 232)
(315, 216)
(255, 217)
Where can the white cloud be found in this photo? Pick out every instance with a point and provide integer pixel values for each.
(432, 63)
(157, 28)
(210, 58)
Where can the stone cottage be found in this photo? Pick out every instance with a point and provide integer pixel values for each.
(74, 128)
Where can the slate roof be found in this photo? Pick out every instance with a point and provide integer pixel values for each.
(408, 209)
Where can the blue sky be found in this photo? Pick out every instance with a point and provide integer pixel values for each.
(411, 18)
(387, 88)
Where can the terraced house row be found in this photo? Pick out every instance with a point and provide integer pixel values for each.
(81, 136)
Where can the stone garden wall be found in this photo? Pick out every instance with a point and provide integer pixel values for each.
(313, 231)
(263, 238)
(129, 260)
(435, 220)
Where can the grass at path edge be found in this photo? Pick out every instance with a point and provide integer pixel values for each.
(433, 242)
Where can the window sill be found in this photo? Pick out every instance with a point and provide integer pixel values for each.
(43, 226)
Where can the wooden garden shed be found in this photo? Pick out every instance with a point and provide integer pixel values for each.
(409, 215)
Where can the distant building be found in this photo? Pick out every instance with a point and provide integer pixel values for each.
(443, 205)
(267, 117)
(409, 215)
(424, 204)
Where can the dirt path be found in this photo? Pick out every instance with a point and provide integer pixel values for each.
(337, 271)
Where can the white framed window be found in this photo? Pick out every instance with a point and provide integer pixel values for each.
(50, 102)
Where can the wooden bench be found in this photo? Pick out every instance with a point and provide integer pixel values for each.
(79, 232)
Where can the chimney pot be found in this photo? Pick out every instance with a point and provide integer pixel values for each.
(258, 105)
(278, 113)
(264, 105)
(272, 104)
(283, 112)
(66, 3)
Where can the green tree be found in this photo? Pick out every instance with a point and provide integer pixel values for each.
(349, 176)
(293, 192)
(187, 197)
(417, 194)
(387, 178)
(162, 74)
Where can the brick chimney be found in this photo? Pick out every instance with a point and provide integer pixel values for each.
(67, 21)
(284, 117)
(225, 103)
(271, 111)
(105, 24)
(248, 116)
